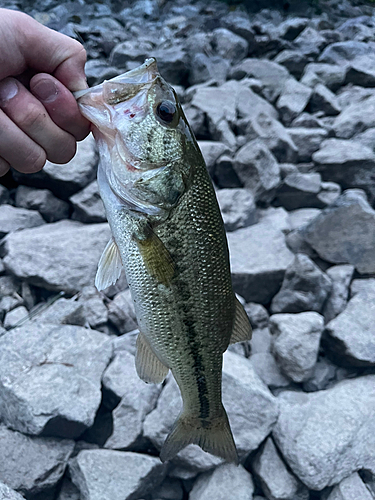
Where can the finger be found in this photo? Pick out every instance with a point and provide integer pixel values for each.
(16, 148)
(4, 167)
(60, 104)
(32, 118)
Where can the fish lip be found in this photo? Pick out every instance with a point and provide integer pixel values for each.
(134, 76)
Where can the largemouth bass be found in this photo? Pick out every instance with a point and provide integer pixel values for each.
(169, 236)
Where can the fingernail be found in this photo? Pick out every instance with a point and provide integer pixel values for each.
(8, 89)
(45, 90)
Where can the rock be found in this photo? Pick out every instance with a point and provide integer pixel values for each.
(59, 256)
(268, 370)
(170, 489)
(65, 180)
(12, 219)
(261, 340)
(363, 285)
(330, 75)
(367, 138)
(249, 103)
(8, 303)
(307, 140)
(98, 70)
(257, 169)
(324, 436)
(292, 27)
(355, 118)
(276, 480)
(225, 176)
(136, 398)
(353, 94)
(259, 257)
(211, 151)
(323, 375)
(293, 100)
(4, 195)
(350, 488)
(50, 378)
(229, 45)
(322, 99)
(293, 60)
(7, 493)
(62, 312)
(173, 63)
(305, 287)
(271, 74)
(300, 217)
(257, 314)
(31, 465)
(9, 285)
(204, 68)
(296, 339)
(350, 223)
(15, 316)
(310, 42)
(99, 474)
(130, 50)
(341, 53)
(350, 334)
(337, 299)
(68, 491)
(241, 25)
(300, 190)
(224, 482)
(249, 404)
(237, 208)
(121, 312)
(51, 208)
(87, 204)
(95, 311)
(360, 71)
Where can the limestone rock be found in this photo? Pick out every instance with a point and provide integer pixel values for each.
(121, 312)
(7, 493)
(13, 219)
(323, 99)
(293, 100)
(229, 45)
(331, 75)
(268, 370)
(51, 208)
(87, 204)
(350, 488)
(355, 118)
(307, 140)
(211, 151)
(13, 317)
(63, 312)
(338, 297)
(237, 207)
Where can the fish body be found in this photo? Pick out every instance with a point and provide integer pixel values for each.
(169, 236)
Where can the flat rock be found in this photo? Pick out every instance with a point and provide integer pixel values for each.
(293, 100)
(355, 118)
(350, 224)
(350, 488)
(7, 493)
(87, 204)
(361, 72)
(331, 75)
(31, 465)
(300, 190)
(13, 219)
(259, 258)
(44, 201)
(62, 312)
(295, 343)
(342, 52)
(110, 474)
(237, 207)
(226, 481)
(325, 436)
(307, 141)
(50, 378)
(302, 216)
(305, 287)
(276, 480)
(59, 256)
(268, 370)
(338, 297)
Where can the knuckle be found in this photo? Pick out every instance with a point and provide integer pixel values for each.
(32, 117)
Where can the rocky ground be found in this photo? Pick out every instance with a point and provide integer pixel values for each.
(283, 106)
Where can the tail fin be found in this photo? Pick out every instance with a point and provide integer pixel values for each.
(213, 436)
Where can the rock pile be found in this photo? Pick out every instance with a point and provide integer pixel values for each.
(283, 107)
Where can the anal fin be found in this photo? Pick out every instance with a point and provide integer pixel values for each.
(149, 368)
(109, 267)
(242, 330)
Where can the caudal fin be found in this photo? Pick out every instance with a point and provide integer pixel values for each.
(214, 436)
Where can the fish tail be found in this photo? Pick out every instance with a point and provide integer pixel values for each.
(214, 436)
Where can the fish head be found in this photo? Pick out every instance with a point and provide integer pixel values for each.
(143, 136)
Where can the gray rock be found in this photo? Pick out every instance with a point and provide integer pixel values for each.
(137, 400)
(261, 340)
(337, 299)
(87, 204)
(59, 256)
(98, 70)
(237, 208)
(355, 118)
(65, 180)
(257, 169)
(293, 100)
(211, 151)
(305, 287)
(173, 63)
(323, 375)
(350, 335)
(302, 216)
(329, 193)
(276, 480)
(292, 27)
(310, 42)
(62, 312)
(331, 75)
(259, 258)
(351, 488)
(99, 474)
(8, 303)
(268, 370)
(322, 99)
(170, 489)
(13, 219)
(9, 285)
(248, 102)
(50, 378)
(300, 190)
(130, 50)
(225, 176)
(7, 493)
(363, 285)
(353, 94)
(15, 316)
(350, 223)
(257, 314)
(294, 61)
(229, 45)
(305, 120)
(4, 195)
(51, 208)
(324, 436)
(121, 312)
(296, 340)
(31, 465)
(241, 25)
(95, 311)
(226, 481)
(307, 141)
(360, 71)
(342, 52)
(204, 68)
(68, 491)
(367, 138)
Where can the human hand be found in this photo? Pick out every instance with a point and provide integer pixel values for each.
(39, 118)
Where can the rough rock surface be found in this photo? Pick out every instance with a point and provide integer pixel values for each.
(13, 219)
(237, 208)
(351, 488)
(7, 493)
(87, 205)
(338, 297)
(51, 208)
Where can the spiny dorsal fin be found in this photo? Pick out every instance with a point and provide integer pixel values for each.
(149, 368)
(109, 267)
(156, 257)
(241, 328)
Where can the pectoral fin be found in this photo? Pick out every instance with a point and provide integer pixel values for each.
(156, 257)
(149, 368)
(109, 267)
(241, 328)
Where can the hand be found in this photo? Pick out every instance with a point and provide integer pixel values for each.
(39, 118)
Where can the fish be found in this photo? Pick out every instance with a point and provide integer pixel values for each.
(168, 235)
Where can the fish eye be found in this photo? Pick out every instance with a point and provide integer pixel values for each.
(166, 111)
